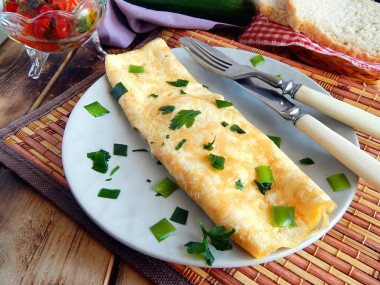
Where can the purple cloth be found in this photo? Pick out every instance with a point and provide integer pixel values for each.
(123, 21)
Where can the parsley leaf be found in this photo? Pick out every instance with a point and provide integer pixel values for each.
(236, 128)
(306, 161)
(209, 146)
(219, 238)
(263, 187)
(181, 143)
(224, 124)
(183, 117)
(239, 185)
(167, 109)
(217, 161)
(153, 95)
(179, 83)
(222, 103)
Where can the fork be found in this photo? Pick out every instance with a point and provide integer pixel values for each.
(219, 63)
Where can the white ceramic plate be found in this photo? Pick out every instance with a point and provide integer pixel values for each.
(128, 218)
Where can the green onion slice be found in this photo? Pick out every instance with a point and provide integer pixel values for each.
(96, 109)
(100, 159)
(153, 95)
(148, 180)
(116, 168)
(109, 193)
(339, 182)
(276, 140)
(136, 68)
(166, 187)
(257, 60)
(179, 83)
(209, 146)
(222, 103)
(306, 161)
(217, 161)
(181, 143)
(180, 216)
(264, 178)
(120, 149)
(167, 109)
(224, 124)
(162, 229)
(283, 216)
(118, 90)
(239, 185)
(182, 92)
(236, 128)
(140, 150)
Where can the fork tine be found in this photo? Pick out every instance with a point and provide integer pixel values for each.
(204, 60)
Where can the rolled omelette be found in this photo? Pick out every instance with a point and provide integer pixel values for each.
(214, 190)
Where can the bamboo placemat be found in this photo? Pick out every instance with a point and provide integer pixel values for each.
(348, 254)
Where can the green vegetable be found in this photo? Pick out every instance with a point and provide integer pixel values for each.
(91, 155)
(109, 193)
(153, 95)
(181, 143)
(306, 161)
(166, 187)
(224, 124)
(120, 149)
(180, 216)
(148, 180)
(99, 159)
(283, 216)
(264, 178)
(162, 229)
(276, 140)
(136, 68)
(140, 150)
(179, 83)
(339, 182)
(118, 90)
(96, 109)
(114, 170)
(182, 92)
(222, 103)
(167, 109)
(236, 12)
(236, 128)
(183, 117)
(209, 146)
(217, 161)
(257, 60)
(239, 185)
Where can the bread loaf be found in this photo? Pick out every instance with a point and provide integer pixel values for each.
(348, 26)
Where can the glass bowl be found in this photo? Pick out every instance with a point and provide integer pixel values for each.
(46, 30)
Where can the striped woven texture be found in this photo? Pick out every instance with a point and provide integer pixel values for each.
(348, 254)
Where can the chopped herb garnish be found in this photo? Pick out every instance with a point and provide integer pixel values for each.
(222, 103)
(217, 161)
(109, 193)
(236, 128)
(279, 76)
(148, 180)
(167, 109)
(257, 60)
(96, 109)
(163, 143)
(307, 161)
(264, 178)
(209, 146)
(179, 83)
(276, 140)
(263, 187)
(239, 185)
(120, 149)
(162, 229)
(118, 90)
(114, 170)
(184, 117)
(284, 216)
(224, 124)
(108, 179)
(153, 95)
(180, 216)
(166, 187)
(168, 136)
(338, 182)
(159, 162)
(181, 143)
(140, 150)
(100, 159)
(205, 86)
(136, 68)
(91, 155)
(182, 92)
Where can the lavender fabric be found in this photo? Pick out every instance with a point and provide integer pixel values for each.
(123, 21)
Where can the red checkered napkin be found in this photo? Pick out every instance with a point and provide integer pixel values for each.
(264, 32)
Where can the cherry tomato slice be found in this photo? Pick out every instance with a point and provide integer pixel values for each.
(42, 28)
(59, 27)
(10, 6)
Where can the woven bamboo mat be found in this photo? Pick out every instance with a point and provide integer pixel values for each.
(348, 254)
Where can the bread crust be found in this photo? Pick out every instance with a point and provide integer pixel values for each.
(273, 13)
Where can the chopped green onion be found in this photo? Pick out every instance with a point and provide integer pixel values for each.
(181, 143)
(222, 103)
(109, 193)
(140, 150)
(283, 216)
(182, 92)
(205, 86)
(167, 109)
(118, 90)
(180, 216)
(153, 95)
(236, 128)
(120, 149)
(209, 146)
(96, 109)
(148, 180)
(217, 161)
(224, 124)
(159, 162)
(91, 155)
(108, 179)
(265, 178)
(306, 161)
(162, 229)
(184, 117)
(339, 182)
(276, 140)
(168, 136)
(100, 159)
(114, 170)
(279, 76)
(166, 187)
(136, 68)
(179, 83)
(257, 59)
(239, 185)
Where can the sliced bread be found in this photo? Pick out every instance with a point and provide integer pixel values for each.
(348, 26)
(274, 10)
